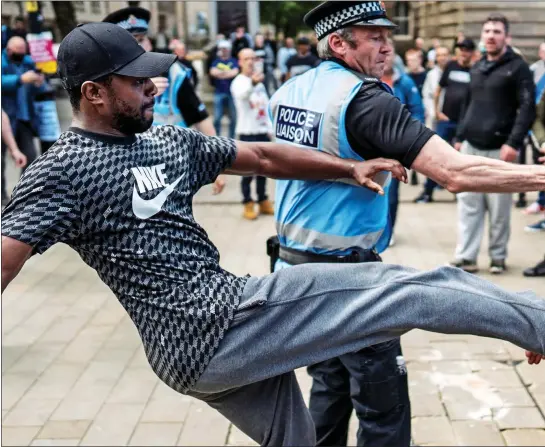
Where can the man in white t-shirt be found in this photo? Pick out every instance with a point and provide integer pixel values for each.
(253, 124)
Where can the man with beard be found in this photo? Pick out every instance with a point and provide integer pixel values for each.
(176, 101)
(500, 113)
(120, 192)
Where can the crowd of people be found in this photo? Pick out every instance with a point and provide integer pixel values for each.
(232, 341)
(359, 113)
(435, 84)
(446, 87)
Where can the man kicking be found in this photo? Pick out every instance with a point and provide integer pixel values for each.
(120, 194)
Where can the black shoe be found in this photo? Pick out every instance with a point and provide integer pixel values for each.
(497, 267)
(465, 265)
(423, 198)
(414, 178)
(521, 203)
(538, 270)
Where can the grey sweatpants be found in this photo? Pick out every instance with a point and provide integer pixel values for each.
(472, 210)
(309, 313)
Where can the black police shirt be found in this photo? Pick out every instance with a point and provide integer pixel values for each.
(379, 125)
(191, 107)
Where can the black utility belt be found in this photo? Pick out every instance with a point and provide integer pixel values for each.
(296, 257)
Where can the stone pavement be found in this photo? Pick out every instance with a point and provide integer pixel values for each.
(74, 372)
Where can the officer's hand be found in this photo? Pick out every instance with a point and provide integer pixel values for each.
(533, 358)
(365, 171)
(161, 84)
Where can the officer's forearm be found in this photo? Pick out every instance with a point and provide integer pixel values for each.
(468, 173)
(481, 174)
(283, 161)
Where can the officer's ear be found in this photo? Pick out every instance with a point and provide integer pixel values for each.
(337, 44)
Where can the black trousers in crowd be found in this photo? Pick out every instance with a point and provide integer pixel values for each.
(261, 182)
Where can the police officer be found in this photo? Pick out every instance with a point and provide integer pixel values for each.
(176, 102)
(342, 108)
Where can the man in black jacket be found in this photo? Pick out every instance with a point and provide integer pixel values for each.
(500, 111)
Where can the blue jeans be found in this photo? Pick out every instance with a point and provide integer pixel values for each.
(447, 131)
(541, 198)
(309, 313)
(224, 102)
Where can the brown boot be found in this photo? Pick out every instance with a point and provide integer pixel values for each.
(249, 211)
(266, 207)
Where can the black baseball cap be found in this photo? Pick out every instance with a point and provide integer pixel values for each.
(303, 41)
(95, 50)
(467, 44)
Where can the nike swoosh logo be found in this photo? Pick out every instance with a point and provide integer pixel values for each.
(144, 209)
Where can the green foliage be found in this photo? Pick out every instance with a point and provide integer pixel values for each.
(286, 16)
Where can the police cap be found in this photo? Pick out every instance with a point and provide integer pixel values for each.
(333, 15)
(134, 19)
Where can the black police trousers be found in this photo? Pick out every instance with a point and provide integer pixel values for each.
(369, 382)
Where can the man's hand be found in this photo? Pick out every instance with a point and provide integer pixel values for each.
(442, 117)
(161, 84)
(257, 78)
(508, 153)
(19, 158)
(458, 146)
(40, 80)
(218, 185)
(533, 358)
(31, 77)
(365, 171)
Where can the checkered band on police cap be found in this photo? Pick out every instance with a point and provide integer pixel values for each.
(333, 15)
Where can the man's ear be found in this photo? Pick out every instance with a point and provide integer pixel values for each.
(337, 44)
(93, 92)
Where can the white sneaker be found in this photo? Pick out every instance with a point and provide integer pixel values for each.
(534, 208)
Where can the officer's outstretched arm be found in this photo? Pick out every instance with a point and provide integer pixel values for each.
(14, 256)
(284, 161)
(464, 173)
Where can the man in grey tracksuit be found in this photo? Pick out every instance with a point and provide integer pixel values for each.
(501, 110)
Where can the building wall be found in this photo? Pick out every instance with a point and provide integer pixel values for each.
(176, 15)
(444, 19)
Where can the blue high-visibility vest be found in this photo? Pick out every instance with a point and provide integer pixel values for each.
(166, 109)
(325, 217)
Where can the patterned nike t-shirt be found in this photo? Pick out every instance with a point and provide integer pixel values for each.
(125, 205)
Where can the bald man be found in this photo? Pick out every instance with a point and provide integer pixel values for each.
(20, 83)
(180, 50)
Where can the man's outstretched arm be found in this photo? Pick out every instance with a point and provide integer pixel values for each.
(283, 161)
(14, 256)
(460, 173)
